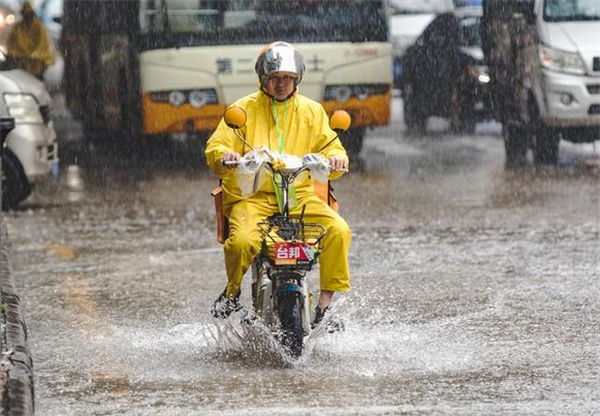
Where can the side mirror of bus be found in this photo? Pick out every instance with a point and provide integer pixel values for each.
(340, 120)
(235, 117)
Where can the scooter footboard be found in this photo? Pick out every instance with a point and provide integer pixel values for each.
(305, 309)
(262, 291)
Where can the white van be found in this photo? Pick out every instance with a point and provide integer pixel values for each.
(544, 56)
(569, 48)
(31, 149)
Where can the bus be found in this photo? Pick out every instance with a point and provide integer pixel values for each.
(151, 68)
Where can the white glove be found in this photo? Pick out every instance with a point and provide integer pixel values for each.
(317, 165)
(250, 172)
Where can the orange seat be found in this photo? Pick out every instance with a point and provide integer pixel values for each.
(222, 221)
(325, 192)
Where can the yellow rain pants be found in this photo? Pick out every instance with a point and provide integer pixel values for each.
(305, 130)
(245, 238)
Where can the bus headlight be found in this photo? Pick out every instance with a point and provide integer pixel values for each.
(199, 98)
(24, 108)
(176, 98)
(196, 98)
(343, 93)
(561, 61)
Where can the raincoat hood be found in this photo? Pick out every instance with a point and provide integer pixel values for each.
(27, 8)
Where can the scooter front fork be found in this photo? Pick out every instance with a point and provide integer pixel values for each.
(305, 296)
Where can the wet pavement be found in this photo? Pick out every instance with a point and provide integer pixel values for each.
(475, 288)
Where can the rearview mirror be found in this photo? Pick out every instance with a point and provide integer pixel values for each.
(235, 117)
(340, 120)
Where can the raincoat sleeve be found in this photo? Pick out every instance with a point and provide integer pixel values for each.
(327, 143)
(222, 141)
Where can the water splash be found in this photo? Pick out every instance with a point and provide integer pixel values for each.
(248, 340)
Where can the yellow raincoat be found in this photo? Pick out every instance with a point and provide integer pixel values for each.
(305, 130)
(28, 45)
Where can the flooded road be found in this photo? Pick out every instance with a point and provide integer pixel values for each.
(475, 290)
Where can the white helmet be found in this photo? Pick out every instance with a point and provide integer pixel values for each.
(279, 57)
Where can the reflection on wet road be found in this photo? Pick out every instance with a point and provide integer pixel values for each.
(475, 291)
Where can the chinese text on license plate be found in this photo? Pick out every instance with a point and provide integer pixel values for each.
(292, 253)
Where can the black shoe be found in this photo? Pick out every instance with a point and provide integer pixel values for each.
(319, 315)
(224, 306)
(334, 324)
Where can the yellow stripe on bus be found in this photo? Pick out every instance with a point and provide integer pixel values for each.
(371, 112)
(159, 118)
(163, 118)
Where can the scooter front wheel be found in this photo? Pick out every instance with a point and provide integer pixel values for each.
(290, 319)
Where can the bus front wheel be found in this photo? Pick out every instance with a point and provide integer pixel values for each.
(353, 142)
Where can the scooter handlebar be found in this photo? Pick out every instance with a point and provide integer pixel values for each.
(307, 166)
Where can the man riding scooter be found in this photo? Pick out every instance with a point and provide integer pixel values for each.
(286, 122)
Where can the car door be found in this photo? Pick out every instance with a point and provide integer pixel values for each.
(442, 59)
(432, 64)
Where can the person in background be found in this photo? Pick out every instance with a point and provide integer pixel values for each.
(28, 44)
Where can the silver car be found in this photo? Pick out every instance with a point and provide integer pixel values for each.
(30, 154)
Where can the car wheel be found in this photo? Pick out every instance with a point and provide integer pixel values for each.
(461, 119)
(545, 146)
(546, 140)
(516, 144)
(413, 118)
(353, 142)
(15, 187)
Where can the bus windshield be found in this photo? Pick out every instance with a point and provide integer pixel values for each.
(223, 22)
(571, 10)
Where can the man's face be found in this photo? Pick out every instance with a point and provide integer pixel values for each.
(280, 85)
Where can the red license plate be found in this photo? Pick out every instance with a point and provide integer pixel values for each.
(291, 253)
